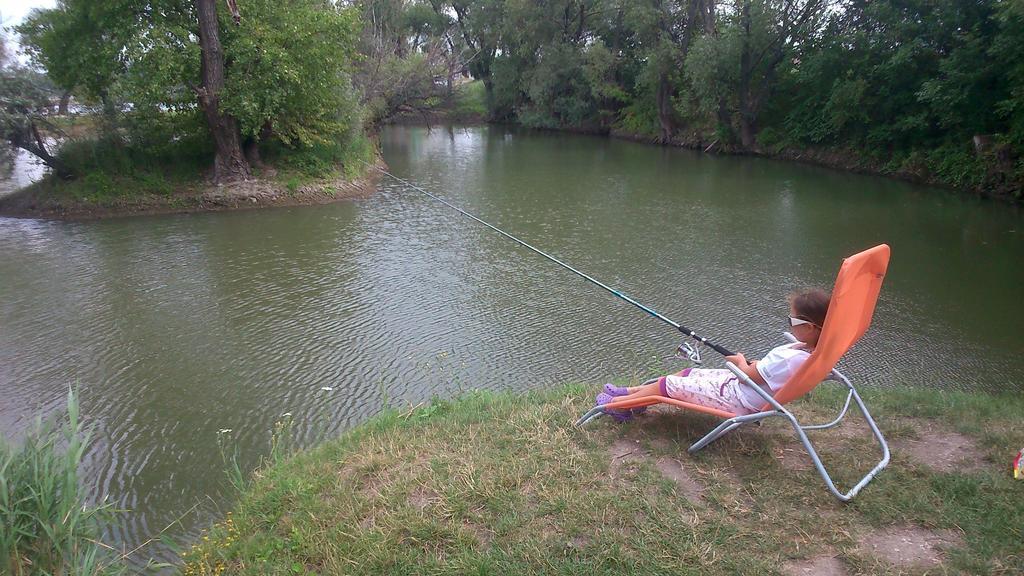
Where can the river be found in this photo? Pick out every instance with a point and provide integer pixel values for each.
(177, 330)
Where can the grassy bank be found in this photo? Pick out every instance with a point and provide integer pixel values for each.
(115, 178)
(502, 483)
(957, 169)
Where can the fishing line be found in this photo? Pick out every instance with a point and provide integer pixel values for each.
(689, 350)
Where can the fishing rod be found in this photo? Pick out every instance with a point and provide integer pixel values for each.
(685, 347)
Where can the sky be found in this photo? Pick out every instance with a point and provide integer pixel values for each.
(13, 12)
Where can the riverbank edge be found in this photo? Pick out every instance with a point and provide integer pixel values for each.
(502, 483)
(44, 199)
(841, 159)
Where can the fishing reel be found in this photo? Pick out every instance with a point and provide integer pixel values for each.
(687, 351)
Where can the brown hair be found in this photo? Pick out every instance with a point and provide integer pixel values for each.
(810, 304)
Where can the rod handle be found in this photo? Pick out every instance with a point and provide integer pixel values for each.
(720, 349)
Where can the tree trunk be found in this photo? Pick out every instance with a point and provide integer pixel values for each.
(492, 112)
(32, 141)
(251, 146)
(748, 130)
(109, 107)
(666, 115)
(228, 163)
(747, 118)
(707, 14)
(251, 150)
(65, 99)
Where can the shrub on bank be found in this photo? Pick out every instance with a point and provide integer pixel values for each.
(159, 155)
(470, 102)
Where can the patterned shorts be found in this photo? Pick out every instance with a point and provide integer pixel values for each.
(714, 388)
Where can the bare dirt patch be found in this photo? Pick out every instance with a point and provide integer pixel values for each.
(818, 566)
(691, 487)
(367, 523)
(943, 450)
(910, 545)
(793, 459)
(421, 498)
(482, 535)
(578, 542)
(371, 487)
(625, 453)
(662, 445)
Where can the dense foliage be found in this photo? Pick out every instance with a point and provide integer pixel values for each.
(278, 71)
(933, 88)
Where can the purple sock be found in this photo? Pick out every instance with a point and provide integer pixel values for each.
(620, 415)
(613, 390)
(616, 391)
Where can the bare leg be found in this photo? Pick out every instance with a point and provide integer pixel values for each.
(641, 391)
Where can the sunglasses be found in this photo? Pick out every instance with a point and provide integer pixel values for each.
(799, 321)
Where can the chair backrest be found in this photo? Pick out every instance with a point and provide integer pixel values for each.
(849, 315)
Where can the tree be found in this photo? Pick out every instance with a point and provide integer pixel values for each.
(1006, 55)
(768, 31)
(80, 45)
(25, 103)
(277, 69)
(480, 24)
(289, 75)
(544, 63)
(229, 163)
(410, 55)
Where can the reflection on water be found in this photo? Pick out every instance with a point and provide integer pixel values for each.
(175, 327)
(18, 169)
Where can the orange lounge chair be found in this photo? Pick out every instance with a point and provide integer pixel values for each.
(849, 315)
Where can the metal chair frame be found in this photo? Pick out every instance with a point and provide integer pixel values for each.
(779, 410)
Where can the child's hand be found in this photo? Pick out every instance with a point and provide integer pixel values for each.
(737, 359)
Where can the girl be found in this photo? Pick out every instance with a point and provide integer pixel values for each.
(720, 388)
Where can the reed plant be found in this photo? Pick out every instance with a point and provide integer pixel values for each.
(46, 525)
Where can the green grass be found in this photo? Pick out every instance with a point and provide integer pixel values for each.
(502, 483)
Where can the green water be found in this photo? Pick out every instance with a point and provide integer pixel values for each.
(174, 328)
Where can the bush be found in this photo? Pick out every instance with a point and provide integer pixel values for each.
(321, 160)
(147, 156)
(171, 144)
(957, 165)
(639, 117)
(470, 100)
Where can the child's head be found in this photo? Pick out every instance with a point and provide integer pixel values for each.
(808, 308)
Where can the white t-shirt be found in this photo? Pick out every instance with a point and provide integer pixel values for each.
(776, 368)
